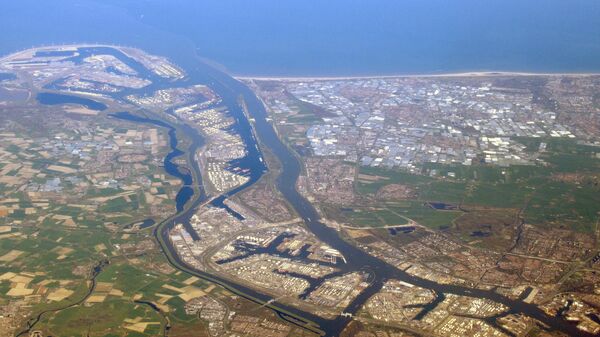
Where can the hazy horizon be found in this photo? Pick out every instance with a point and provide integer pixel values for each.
(333, 38)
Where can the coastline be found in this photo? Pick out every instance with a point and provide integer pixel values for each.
(223, 68)
(440, 75)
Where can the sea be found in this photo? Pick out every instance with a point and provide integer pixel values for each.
(326, 37)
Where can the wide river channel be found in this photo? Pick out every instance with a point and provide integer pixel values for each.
(192, 195)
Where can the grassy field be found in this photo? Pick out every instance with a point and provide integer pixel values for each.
(373, 217)
(563, 191)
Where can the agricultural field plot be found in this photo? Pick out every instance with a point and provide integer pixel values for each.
(73, 180)
(137, 293)
(81, 189)
(93, 172)
(554, 195)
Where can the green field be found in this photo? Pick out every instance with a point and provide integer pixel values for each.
(546, 200)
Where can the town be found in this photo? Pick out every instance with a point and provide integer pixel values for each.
(453, 179)
(406, 122)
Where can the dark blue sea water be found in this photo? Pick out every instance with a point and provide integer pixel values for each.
(332, 37)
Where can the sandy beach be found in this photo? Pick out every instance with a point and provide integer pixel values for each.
(459, 74)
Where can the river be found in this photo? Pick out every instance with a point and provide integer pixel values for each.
(192, 195)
